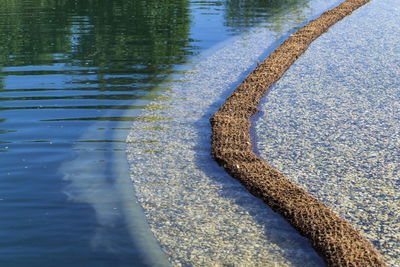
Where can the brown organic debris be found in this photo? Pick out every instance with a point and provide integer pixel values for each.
(333, 237)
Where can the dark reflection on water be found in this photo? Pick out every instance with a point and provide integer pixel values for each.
(69, 72)
(66, 64)
(242, 14)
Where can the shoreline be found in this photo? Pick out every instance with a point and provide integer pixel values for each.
(333, 237)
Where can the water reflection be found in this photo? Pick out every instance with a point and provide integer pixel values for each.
(70, 70)
(75, 74)
(97, 177)
(243, 14)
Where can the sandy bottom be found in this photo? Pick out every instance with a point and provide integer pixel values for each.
(331, 123)
(199, 214)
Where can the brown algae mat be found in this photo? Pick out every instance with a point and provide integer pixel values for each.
(333, 237)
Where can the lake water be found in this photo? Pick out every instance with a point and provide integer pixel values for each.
(75, 76)
(331, 123)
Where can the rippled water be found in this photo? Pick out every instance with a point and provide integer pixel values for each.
(74, 77)
(332, 123)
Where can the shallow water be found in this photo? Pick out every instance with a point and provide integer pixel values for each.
(74, 76)
(199, 214)
(331, 123)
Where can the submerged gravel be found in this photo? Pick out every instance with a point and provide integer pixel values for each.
(199, 214)
(331, 123)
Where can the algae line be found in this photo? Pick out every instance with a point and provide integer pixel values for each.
(333, 237)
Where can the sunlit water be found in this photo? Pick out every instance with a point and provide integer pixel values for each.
(200, 215)
(332, 123)
(75, 76)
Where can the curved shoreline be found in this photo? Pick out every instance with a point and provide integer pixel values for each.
(334, 238)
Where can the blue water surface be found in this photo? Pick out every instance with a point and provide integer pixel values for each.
(74, 76)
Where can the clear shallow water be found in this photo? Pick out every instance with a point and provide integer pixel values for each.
(74, 76)
(200, 215)
(332, 122)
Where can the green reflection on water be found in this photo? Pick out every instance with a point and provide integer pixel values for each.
(66, 60)
(103, 33)
(241, 14)
(61, 59)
